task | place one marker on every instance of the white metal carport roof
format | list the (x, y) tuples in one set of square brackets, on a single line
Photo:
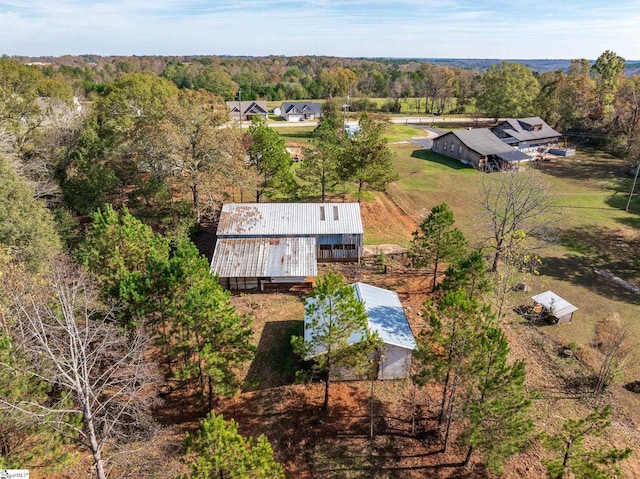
[(554, 304)]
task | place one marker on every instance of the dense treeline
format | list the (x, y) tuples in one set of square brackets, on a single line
[(582, 95)]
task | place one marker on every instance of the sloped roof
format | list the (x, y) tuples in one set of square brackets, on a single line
[(265, 257), (289, 219), (386, 317), (519, 129), (301, 107), (248, 107), (554, 304), (484, 142)]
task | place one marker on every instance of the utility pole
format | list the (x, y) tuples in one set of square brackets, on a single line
[(635, 179), (240, 107)]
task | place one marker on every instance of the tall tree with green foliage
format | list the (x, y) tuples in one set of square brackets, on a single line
[(217, 450), (366, 158), (496, 405), (446, 350), (207, 337), (319, 168), (267, 153), (508, 90), (118, 249), (576, 459), (607, 71), (333, 315), (468, 274), (26, 225), (437, 240)]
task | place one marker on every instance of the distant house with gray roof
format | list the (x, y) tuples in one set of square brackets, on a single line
[(526, 134), (299, 111), (245, 110), (479, 148)]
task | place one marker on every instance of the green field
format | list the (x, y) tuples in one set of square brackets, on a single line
[(594, 233)]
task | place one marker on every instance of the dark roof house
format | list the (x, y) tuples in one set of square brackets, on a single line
[(298, 110), (479, 148), (244, 110), (527, 134)]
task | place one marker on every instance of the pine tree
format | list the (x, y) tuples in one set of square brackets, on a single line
[(366, 158), (208, 337), (468, 274), (267, 153), (333, 316), (497, 403), (437, 240), (218, 451), (576, 460), (446, 349)]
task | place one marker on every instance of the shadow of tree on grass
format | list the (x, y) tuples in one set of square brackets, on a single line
[(598, 250), (273, 364), (439, 159)]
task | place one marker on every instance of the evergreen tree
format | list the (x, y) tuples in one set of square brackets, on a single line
[(118, 249), (437, 240), (333, 316), (578, 461), (216, 450), (26, 226), (366, 158), (497, 404), (321, 160), (446, 349), (270, 158), (468, 274), (208, 337)]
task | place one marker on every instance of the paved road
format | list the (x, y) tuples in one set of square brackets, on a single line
[(408, 120)]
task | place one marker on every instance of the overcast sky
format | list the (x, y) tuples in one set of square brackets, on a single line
[(512, 29)]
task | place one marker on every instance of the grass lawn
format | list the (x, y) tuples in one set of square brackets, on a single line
[(594, 232)]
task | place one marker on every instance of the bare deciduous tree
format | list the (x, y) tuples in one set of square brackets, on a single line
[(611, 339), (102, 384), (515, 202)]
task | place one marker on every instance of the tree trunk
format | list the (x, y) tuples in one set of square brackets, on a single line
[(325, 404), (496, 259), (435, 272), (93, 442), (468, 456)]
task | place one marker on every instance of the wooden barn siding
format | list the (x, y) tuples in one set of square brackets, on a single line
[(466, 156)]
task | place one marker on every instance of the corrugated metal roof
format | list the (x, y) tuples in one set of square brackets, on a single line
[(289, 219), (264, 257), (386, 315), (554, 304)]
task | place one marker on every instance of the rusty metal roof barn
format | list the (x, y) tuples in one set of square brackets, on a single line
[(289, 219), (265, 257)]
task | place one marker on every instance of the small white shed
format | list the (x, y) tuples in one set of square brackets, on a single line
[(559, 308), (387, 318)]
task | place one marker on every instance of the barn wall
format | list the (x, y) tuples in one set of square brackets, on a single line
[(451, 146)]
